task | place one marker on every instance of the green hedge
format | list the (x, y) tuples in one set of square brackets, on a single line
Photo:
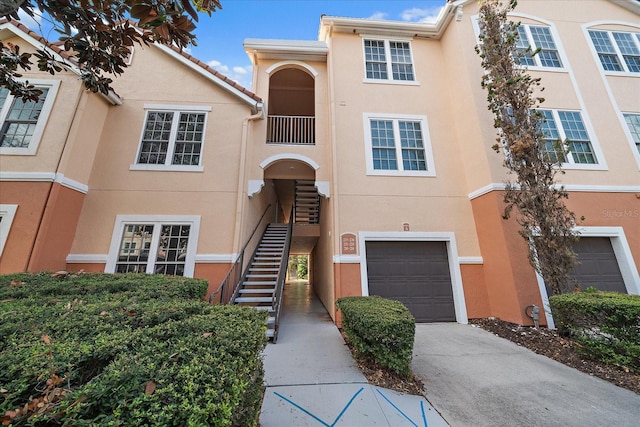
[(607, 324), (381, 329), (127, 350)]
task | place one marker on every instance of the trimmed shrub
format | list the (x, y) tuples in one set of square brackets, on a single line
[(126, 350), (381, 329), (607, 324)]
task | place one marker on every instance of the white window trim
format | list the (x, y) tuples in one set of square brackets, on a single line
[(411, 236), (121, 220), (8, 213), (595, 145), (428, 151), (387, 52), (591, 26), (623, 255), (135, 166), (47, 106)]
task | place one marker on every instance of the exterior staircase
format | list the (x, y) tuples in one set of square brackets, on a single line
[(262, 283), (307, 202)]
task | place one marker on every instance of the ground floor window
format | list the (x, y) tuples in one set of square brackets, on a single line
[(7, 213), (163, 246)]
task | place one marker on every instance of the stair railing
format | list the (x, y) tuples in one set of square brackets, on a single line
[(282, 274), (231, 283)]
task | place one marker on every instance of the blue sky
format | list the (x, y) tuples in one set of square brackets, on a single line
[(221, 35)]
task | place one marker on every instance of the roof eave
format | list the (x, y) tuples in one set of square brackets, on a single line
[(301, 50)]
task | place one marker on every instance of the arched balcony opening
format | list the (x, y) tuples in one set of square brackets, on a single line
[(291, 118)]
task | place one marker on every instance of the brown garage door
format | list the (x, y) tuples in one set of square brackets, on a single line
[(597, 266), (414, 273)]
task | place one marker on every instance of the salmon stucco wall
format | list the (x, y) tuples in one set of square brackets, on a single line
[(57, 229), (86, 267), (214, 273), (510, 280), (475, 291), (30, 198), (347, 283)]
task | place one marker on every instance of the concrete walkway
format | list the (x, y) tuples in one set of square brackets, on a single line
[(312, 379), (474, 378)]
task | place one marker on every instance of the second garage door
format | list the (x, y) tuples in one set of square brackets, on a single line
[(414, 273), (597, 265)]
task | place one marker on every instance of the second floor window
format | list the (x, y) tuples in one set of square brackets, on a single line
[(398, 146), (536, 37), (633, 123), (561, 125), (172, 138), (617, 51), (388, 60), (22, 123)]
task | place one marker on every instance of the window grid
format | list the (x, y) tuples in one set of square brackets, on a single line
[(170, 240), (383, 145), (573, 131), (172, 138), (21, 120), (412, 146), (633, 123), (393, 139), (375, 58), (388, 60), (617, 51), (401, 63), (535, 37)]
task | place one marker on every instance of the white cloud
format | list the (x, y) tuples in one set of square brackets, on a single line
[(421, 15), (239, 74), (378, 15)]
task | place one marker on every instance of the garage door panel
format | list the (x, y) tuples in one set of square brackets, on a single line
[(597, 265), (414, 273)]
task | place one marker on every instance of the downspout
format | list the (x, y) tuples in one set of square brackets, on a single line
[(259, 114), (47, 204)]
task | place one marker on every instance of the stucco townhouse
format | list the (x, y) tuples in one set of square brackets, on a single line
[(373, 143)]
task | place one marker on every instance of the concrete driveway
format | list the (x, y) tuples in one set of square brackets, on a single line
[(474, 378)]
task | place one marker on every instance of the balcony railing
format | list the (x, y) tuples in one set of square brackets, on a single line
[(291, 130)]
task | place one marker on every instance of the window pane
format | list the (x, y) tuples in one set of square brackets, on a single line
[(155, 138), (552, 149), (633, 122), (130, 258), (629, 50), (606, 52), (401, 64), (383, 145), (375, 58), (577, 137), (543, 40), (189, 139), (522, 47), (21, 121), (413, 157), (4, 93), (172, 250)]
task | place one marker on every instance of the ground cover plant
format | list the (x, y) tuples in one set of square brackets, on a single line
[(126, 350)]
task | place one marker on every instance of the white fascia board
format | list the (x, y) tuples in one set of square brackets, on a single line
[(632, 5), (256, 105), (302, 50)]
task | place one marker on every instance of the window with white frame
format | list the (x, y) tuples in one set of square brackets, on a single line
[(388, 60), (172, 138), (563, 125), (532, 38), (22, 122), (160, 246), (633, 123), (7, 213), (398, 145), (617, 51)]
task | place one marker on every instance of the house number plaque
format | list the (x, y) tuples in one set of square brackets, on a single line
[(349, 244)]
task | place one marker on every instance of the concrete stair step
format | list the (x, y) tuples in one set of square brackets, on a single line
[(240, 300)]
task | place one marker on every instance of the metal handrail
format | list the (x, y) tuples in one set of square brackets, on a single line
[(234, 274), (282, 274)]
